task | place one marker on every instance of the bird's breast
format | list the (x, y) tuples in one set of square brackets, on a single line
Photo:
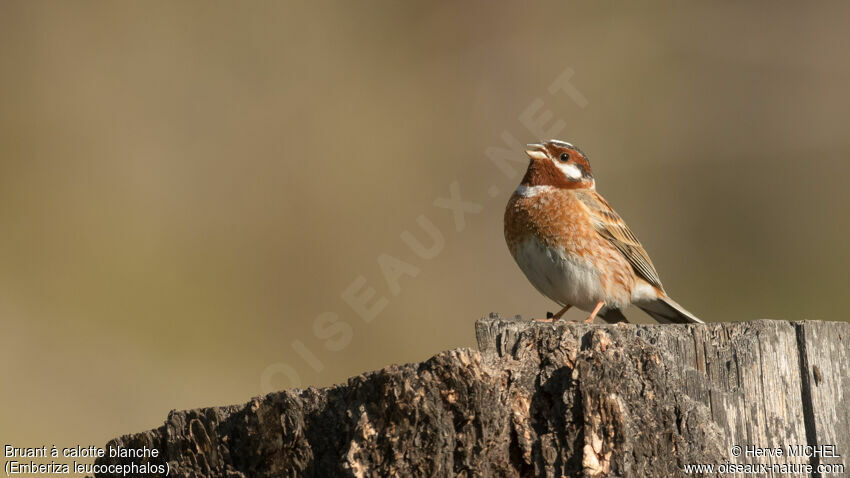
[(554, 217), (553, 240)]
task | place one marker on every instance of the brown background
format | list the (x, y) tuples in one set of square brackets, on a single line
[(186, 187)]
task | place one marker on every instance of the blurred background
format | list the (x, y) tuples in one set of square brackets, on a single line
[(187, 189)]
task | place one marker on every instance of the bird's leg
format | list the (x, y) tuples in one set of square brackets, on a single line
[(553, 318), (561, 312), (595, 311)]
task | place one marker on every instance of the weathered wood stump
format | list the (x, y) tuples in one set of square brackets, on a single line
[(539, 399)]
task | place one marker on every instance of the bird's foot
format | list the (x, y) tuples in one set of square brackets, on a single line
[(550, 317), (593, 314), (559, 314)]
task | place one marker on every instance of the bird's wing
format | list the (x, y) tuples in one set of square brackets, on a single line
[(611, 226)]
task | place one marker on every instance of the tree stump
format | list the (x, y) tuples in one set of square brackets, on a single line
[(543, 399)]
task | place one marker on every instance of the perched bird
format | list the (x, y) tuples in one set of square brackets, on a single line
[(574, 248)]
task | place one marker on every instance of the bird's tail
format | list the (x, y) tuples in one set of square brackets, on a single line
[(666, 311)]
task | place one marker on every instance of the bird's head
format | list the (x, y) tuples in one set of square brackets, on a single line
[(558, 164)]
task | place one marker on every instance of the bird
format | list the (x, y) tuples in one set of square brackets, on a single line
[(574, 248)]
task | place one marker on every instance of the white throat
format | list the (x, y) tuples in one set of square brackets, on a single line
[(531, 191)]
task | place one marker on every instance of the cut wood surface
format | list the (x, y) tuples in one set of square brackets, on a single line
[(542, 399)]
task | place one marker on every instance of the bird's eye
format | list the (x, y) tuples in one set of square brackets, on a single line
[(565, 157)]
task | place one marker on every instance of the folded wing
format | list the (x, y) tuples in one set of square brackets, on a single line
[(611, 226)]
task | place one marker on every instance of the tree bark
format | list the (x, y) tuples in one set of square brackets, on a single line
[(542, 399)]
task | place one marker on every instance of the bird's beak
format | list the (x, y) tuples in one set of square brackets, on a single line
[(535, 151)]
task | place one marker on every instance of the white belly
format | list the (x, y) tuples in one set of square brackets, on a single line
[(564, 278)]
